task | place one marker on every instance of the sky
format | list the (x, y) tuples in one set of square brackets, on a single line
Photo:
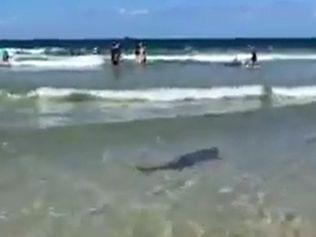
[(29, 19)]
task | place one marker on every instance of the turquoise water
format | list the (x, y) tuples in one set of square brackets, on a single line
[(73, 129)]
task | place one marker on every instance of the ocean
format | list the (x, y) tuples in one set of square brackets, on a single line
[(73, 129)]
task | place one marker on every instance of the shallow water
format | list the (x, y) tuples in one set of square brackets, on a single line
[(80, 180), (70, 141)]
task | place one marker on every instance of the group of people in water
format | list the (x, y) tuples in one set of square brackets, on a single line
[(141, 56), (140, 53)]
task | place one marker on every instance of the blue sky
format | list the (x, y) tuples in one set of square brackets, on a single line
[(157, 18)]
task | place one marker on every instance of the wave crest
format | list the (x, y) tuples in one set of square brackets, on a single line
[(38, 58), (153, 95), (78, 62), (169, 94)]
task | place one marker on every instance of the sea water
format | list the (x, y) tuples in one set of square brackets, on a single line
[(73, 128)]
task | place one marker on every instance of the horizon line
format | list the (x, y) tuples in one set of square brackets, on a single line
[(156, 38)]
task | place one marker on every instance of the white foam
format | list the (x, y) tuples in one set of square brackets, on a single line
[(295, 92), (94, 61), (191, 58), (225, 57), (173, 94), (238, 96), (78, 62), (158, 103), (160, 94), (33, 51)]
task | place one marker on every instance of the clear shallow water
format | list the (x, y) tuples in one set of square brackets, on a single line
[(70, 139), (80, 180)]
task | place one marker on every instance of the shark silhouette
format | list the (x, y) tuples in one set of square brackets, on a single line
[(185, 161)]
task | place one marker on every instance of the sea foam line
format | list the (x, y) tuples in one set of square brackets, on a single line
[(78, 62), (93, 61), (159, 94), (224, 58), (295, 92), (170, 94)]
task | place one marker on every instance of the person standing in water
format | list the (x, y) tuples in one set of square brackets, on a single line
[(254, 57), (137, 52), (5, 56), (115, 53), (140, 53), (143, 55)]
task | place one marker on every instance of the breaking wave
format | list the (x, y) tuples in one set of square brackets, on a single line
[(61, 58), (78, 62), (169, 94), (55, 105), (154, 95), (226, 57)]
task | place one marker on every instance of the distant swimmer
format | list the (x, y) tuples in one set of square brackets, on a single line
[(143, 55), (140, 53), (115, 53), (5, 59), (5, 56), (254, 57), (137, 52), (253, 61)]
